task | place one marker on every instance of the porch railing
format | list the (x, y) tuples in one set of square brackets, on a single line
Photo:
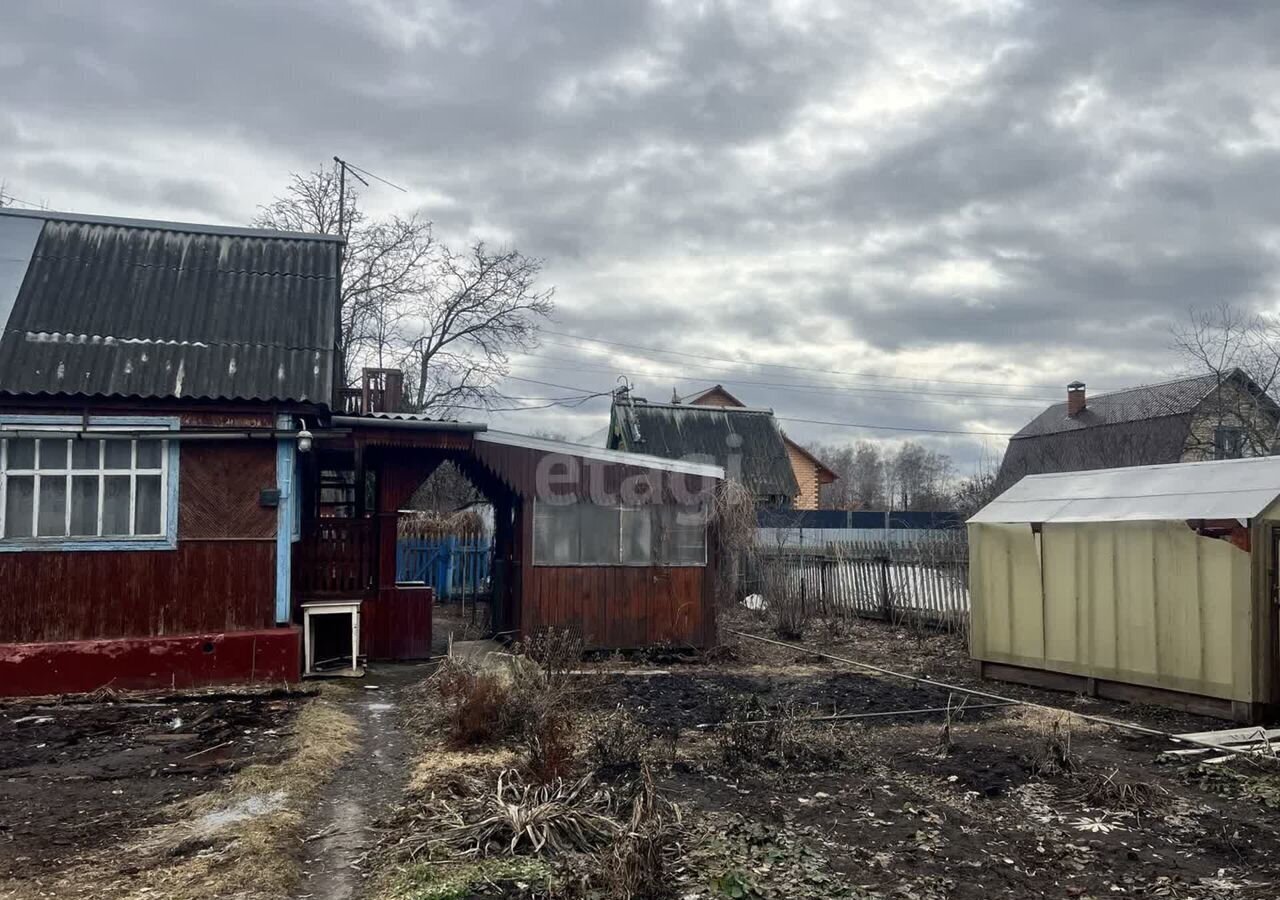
[(335, 558)]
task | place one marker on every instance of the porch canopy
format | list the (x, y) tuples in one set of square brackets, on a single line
[(651, 581), (1238, 489)]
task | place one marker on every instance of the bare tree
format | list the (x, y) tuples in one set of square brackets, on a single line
[(977, 489), (449, 319), (1242, 350), (480, 306), (920, 479), (861, 471)]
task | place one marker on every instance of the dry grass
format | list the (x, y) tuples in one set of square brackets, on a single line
[(639, 863), (1044, 720), (1115, 792), (516, 816), (240, 841), (445, 769)]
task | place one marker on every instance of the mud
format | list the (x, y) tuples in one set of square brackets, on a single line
[(76, 776)]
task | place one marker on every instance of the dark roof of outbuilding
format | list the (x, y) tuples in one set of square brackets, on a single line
[(135, 308), (747, 443)]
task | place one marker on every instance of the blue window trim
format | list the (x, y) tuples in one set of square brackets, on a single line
[(286, 470), (55, 545)]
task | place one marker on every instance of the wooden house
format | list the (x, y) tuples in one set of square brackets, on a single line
[(179, 471)]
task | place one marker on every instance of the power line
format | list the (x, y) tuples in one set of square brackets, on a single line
[(741, 362), (593, 394), (993, 400), (897, 427)]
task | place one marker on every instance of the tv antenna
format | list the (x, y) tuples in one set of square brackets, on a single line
[(356, 173)]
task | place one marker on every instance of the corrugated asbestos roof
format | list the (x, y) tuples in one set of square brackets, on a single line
[(1225, 489), (746, 443), (132, 308)]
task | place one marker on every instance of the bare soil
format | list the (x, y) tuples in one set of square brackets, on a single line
[(78, 776), (884, 808), (900, 816)]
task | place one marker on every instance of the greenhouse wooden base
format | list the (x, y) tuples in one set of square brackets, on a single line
[(1245, 713)]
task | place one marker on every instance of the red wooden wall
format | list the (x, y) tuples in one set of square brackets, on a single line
[(221, 577), (618, 606)]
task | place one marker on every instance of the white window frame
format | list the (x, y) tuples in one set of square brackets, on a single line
[(68, 427)]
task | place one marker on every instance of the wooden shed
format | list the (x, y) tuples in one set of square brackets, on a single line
[(618, 548), (1150, 584)]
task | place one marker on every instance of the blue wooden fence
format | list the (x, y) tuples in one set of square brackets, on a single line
[(455, 566)]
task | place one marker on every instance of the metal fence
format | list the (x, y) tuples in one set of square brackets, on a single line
[(926, 580), (457, 567)]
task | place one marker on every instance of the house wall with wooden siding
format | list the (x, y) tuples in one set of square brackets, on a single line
[(806, 471), (1235, 408), (616, 607), (220, 577)]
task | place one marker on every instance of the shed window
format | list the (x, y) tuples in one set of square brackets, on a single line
[(75, 488), (586, 534)]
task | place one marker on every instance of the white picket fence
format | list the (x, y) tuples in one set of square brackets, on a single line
[(925, 581)]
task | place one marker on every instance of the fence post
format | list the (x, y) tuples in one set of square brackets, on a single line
[(886, 601)]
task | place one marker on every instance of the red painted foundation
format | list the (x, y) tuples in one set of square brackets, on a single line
[(184, 661)]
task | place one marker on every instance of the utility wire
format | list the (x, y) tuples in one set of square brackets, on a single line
[(741, 362), (593, 394), (991, 400), (795, 381), (989, 695)]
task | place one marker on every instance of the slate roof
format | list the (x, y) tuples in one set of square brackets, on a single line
[(1142, 426), (101, 307), (1170, 398), (746, 442)]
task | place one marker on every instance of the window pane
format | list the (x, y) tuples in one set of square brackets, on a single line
[(22, 454), (147, 506), (119, 454), (148, 454), (19, 502), (683, 536), (637, 535), (86, 454), (599, 534), (84, 504), (115, 504), (53, 504), (53, 454), (690, 537), (555, 533)]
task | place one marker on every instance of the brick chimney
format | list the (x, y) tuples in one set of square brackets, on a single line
[(1075, 398)]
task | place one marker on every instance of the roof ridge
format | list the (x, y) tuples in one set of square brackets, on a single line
[(759, 410), (166, 225), (1155, 384)]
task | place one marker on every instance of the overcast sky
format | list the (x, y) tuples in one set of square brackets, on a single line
[(925, 215)]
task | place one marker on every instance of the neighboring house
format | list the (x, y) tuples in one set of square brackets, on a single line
[(152, 379), (1185, 420), (746, 442), (809, 471), (178, 472)]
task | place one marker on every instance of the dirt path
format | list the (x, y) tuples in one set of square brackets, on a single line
[(365, 789)]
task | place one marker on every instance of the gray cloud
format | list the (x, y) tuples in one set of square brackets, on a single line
[(1024, 193)]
